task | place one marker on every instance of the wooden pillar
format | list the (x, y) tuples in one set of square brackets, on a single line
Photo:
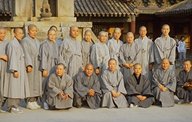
[(133, 24), (190, 33)]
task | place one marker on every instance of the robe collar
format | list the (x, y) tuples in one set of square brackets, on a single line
[(137, 78)]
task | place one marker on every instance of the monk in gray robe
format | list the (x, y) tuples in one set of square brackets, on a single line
[(60, 89), (114, 44), (164, 47), (185, 95), (129, 55), (147, 57), (70, 53), (87, 89), (17, 87), (48, 56), (164, 84), (113, 87), (100, 53), (139, 89), (86, 45), (31, 46), (3, 64)]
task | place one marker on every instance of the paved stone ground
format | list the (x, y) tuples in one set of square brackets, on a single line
[(178, 113)]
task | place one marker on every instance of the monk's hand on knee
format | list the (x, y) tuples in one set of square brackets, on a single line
[(65, 96), (16, 74), (4, 58)]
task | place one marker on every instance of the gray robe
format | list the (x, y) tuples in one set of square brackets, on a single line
[(166, 78), (86, 52), (16, 87), (82, 85), (70, 55), (147, 56), (141, 86), (3, 69), (164, 48), (48, 56), (57, 84), (181, 93), (113, 81), (129, 53), (100, 56), (114, 48), (31, 51)]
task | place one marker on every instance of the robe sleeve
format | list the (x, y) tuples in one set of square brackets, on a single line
[(121, 86), (105, 85), (95, 59), (64, 54), (12, 56), (171, 85), (78, 86), (151, 53), (96, 85), (173, 52), (69, 87), (28, 61), (130, 87), (180, 80), (155, 82), (43, 58), (121, 56), (137, 56), (52, 89), (147, 87)]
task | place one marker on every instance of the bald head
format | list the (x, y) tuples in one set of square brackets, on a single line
[(2, 33), (89, 69), (142, 31), (74, 31), (165, 30), (18, 33), (165, 64), (130, 37)]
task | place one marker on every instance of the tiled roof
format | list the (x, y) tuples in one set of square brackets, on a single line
[(184, 7), (104, 8), (5, 9)]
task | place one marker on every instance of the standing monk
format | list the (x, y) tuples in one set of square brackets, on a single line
[(112, 86), (48, 59), (87, 88), (100, 53), (17, 87), (164, 84), (70, 53), (86, 45), (145, 45), (3, 64), (129, 55), (114, 44), (31, 46), (164, 47)]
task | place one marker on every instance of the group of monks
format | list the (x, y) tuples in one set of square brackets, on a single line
[(59, 74)]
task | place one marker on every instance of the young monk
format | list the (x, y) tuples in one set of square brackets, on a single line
[(17, 87), (3, 65), (86, 45), (48, 60), (60, 89), (100, 53), (185, 95), (31, 46), (87, 88), (113, 87), (164, 84), (70, 53), (164, 47), (139, 89), (129, 55)]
